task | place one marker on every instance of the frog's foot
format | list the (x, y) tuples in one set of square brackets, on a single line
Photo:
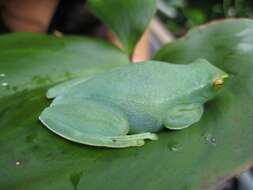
[(183, 116), (92, 123), (133, 140)]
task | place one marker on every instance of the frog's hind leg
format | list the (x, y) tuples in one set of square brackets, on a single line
[(92, 123)]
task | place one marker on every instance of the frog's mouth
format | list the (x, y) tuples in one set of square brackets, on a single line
[(219, 82)]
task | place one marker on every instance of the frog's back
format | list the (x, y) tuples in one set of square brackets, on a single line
[(150, 81), (138, 88)]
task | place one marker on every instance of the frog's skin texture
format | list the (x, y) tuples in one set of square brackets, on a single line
[(122, 107)]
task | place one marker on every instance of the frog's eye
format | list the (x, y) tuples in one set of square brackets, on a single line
[(219, 82)]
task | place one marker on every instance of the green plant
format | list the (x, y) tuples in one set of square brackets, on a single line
[(239, 8), (201, 157)]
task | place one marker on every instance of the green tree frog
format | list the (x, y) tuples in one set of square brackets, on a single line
[(125, 106)]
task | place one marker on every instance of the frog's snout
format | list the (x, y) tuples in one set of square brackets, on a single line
[(219, 82)]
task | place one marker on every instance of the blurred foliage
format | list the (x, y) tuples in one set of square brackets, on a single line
[(190, 13), (238, 8)]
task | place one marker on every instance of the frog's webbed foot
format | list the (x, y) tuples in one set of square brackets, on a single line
[(182, 116), (91, 123), (134, 140)]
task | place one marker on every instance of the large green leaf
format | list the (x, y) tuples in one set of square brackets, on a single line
[(127, 18), (199, 157), (30, 60)]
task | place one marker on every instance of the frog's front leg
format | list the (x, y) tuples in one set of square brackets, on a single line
[(183, 115), (92, 123)]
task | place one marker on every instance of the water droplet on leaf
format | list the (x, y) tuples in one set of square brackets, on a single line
[(175, 148), (5, 84), (2, 75), (210, 139), (18, 163)]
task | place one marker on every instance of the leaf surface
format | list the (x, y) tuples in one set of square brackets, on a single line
[(30, 61), (199, 157)]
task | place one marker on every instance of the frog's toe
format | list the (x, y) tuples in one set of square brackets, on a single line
[(135, 139)]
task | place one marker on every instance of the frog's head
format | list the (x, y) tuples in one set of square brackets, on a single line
[(212, 78)]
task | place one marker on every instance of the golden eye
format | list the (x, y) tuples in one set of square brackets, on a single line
[(218, 83)]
